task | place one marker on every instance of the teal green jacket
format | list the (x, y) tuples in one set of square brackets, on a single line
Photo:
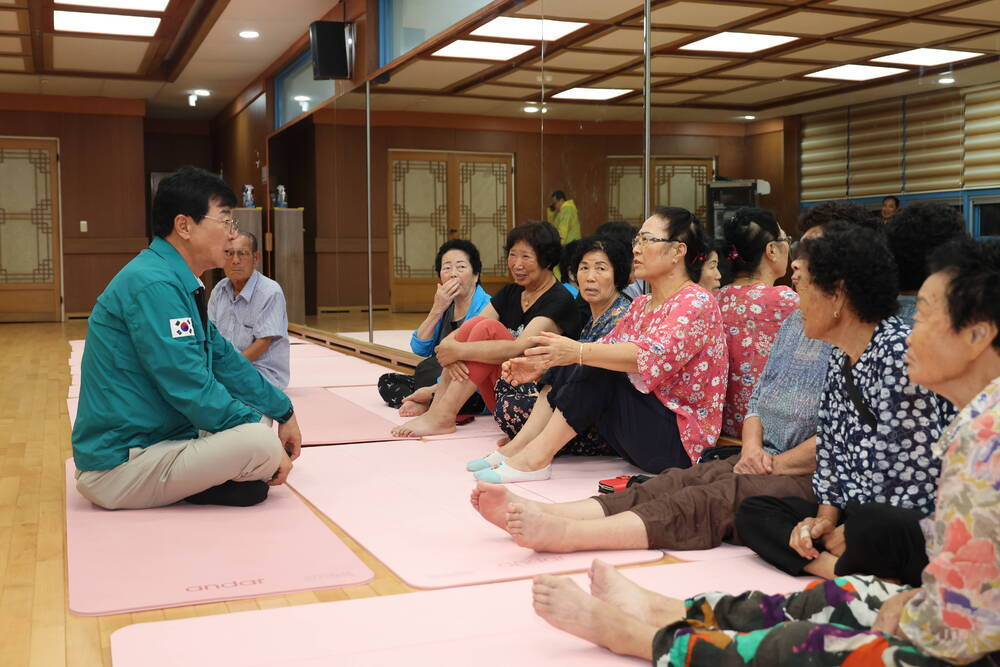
[(152, 372)]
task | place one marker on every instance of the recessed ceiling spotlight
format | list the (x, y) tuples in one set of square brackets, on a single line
[(946, 79), (856, 72), (748, 116), (927, 57), (192, 100), (301, 98), (249, 34), (738, 42), (530, 108), (467, 48), (105, 24), (529, 29), (141, 5), (201, 92), (592, 93)]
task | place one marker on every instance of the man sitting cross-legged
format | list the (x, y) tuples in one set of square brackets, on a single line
[(169, 410), (694, 508)]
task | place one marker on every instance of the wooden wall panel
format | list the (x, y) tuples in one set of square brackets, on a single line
[(101, 178), (239, 148), (575, 163)]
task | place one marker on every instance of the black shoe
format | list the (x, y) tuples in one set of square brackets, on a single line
[(235, 494)]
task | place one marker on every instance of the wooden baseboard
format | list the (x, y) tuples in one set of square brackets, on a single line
[(78, 316), (351, 309)]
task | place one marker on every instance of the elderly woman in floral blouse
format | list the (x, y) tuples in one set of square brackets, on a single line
[(950, 619), (654, 386)]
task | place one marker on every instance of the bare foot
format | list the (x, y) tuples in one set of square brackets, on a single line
[(493, 502), (412, 409), (501, 441), (566, 606), (426, 424), (608, 584), (531, 527)]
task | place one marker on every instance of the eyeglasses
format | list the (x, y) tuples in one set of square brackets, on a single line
[(242, 254), (784, 239), (230, 222), (642, 240)]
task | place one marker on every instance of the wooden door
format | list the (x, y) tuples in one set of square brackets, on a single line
[(30, 255), (677, 181), (436, 196)]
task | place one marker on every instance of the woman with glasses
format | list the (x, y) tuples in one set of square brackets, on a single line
[(753, 308), (654, 386)]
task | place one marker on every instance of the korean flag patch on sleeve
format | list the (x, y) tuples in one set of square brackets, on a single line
[(181, 327)]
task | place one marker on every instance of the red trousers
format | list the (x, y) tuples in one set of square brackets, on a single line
[(484, 375)]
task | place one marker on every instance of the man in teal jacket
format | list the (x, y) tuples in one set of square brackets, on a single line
[(169, 410)]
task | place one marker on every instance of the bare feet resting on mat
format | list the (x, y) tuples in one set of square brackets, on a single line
[(428, 423), (417, 403), (568, 607), (493, 502)]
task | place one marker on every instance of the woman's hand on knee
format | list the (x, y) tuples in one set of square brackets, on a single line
[(805, 533), (447, 352), (457, 372)]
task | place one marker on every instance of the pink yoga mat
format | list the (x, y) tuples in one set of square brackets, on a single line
[(327, 419), (369, 399), (333, 370), (311, 350), (486, 626), (128, 560), (408, 504)]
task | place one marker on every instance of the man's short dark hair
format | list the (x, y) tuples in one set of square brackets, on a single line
[(619, 254), (917, 230), (468, 247), (857, 260), (894, 198), (974, 288), (559, 194), (188, 191), (828, 211), (252, 237), (543, 239)]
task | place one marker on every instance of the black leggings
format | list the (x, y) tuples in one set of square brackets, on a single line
[(640, 428), (881, 540)]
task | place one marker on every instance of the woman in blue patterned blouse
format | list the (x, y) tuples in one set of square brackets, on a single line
[(601, 266), (875, 426)]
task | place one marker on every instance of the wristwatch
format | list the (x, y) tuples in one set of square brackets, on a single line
[(285, 417)]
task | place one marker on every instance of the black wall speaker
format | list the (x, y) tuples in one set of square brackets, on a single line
[(332, 44)]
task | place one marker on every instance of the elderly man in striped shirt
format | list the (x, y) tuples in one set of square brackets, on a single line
[(249, 310)]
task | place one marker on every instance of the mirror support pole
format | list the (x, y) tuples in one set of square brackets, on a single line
[(368, 164), (647, 125)]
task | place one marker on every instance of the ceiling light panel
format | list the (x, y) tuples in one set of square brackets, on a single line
[(105, 24), (466, 48), (927, 57), (856, 72), (591, 93), (538, 30), (738, 42), (141, 5)]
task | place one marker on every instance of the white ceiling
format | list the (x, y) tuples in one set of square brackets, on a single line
[(224, 63)]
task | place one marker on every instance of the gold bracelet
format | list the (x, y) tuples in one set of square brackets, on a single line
[(580, 362)]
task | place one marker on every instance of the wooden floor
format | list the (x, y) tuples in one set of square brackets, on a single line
[(36, 627)]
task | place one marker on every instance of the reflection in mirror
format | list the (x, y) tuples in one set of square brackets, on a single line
[(465, 147)]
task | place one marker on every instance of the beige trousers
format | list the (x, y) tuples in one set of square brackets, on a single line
[(172, 470)]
